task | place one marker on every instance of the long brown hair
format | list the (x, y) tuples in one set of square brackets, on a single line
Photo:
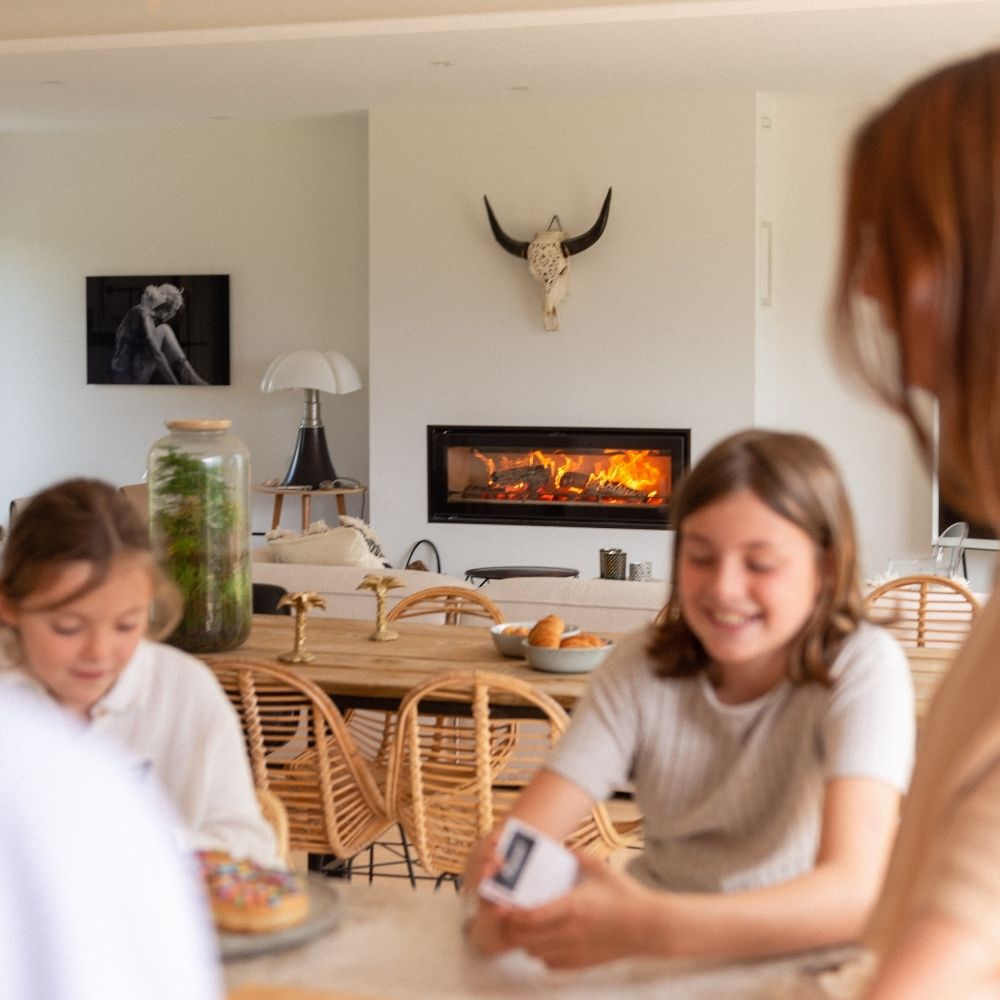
[(923, 211), (795, 476), (81, 520)]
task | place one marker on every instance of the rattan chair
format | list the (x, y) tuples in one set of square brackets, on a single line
[(927, 614), (276, 814), (455, 604), (302, 752), (372, 728), (467, 742), (924, 610)]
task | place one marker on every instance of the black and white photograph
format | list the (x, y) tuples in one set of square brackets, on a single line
[(158, 330)]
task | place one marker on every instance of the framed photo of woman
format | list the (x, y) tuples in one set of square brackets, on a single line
[(158, 329)]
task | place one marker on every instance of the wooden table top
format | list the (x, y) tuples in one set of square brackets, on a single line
[(350, 666)]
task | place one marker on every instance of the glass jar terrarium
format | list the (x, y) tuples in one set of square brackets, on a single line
[(199, 485)]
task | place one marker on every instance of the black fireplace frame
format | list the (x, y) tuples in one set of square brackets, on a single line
[(442, 510)]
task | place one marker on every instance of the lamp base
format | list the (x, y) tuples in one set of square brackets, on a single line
[(311, 463)]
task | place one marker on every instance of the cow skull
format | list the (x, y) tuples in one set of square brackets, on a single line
[(548, 256)]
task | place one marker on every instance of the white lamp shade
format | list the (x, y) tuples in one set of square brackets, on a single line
[(327, 371)]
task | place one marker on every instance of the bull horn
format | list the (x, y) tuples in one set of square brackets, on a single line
[(580, 243), (515, 247)]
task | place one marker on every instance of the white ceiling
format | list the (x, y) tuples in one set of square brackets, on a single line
[(138, 63)]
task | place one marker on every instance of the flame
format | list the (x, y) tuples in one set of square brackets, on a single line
[(630, 468), (635, 469)]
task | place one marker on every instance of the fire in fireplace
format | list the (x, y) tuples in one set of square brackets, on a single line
[(569, 476)]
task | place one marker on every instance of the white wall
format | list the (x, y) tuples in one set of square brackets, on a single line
[(662, 326), (657, 330), (802, 144), (281, 208), (801, 148)]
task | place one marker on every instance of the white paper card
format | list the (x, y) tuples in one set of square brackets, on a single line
[(536, 868)]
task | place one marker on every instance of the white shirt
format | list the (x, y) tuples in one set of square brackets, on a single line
[(95, 902), (169, 712)]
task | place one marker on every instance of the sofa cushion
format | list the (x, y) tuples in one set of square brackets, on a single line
[(320, 545)]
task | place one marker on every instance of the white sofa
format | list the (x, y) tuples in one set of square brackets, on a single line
[(594, 605)]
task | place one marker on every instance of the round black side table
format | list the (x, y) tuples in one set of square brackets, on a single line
[(485, 573)]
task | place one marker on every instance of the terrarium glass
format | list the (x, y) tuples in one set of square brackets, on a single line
[(199, 487)]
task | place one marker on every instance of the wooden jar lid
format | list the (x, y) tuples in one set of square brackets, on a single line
[(199, 425)]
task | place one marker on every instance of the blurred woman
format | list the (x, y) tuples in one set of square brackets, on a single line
[(918, 312)]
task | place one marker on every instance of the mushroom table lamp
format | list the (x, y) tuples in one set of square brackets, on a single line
[(315, 372)]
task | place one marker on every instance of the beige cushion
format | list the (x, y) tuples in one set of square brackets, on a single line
[(322, 546)]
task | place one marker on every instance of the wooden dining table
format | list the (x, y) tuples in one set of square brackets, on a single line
[(359, 672)]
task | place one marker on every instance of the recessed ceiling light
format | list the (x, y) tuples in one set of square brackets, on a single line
[(54, 83), (441, 62), (520, 87)]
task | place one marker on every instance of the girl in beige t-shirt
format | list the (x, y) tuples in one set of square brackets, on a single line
[(770, 808)]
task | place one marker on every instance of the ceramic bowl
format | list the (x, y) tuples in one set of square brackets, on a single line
[(509, 643), (565, 661)]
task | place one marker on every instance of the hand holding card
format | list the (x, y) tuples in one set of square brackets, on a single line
[(536, 869)]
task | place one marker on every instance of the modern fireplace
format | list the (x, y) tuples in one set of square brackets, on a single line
[(601, 477)]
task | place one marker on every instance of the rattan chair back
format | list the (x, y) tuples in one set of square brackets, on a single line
[(301, 751), (924, 610), (373, 728), (277, 816), (467, 743), (455, 604)]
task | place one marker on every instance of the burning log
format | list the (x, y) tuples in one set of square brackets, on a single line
[(533, 476), (574, 481), (613, 491)]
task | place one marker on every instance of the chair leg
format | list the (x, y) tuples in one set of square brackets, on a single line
[(331, 866), (456, 881), (335, 867)]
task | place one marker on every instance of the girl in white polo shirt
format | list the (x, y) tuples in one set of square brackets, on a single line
[(78, 588), (767, 729)]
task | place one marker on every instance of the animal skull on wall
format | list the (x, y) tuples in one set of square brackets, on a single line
[(548, 255)]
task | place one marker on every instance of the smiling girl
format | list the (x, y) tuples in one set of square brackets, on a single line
[(767, 728), (78, 591)]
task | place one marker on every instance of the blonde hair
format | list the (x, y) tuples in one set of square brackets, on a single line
[(796, 477), (923, 214), (82, 520)]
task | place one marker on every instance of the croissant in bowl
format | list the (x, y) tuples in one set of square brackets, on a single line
[(548, 632), (585, 640)]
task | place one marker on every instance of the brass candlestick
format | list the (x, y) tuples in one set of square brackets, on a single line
[(381, 585), (300, 603)]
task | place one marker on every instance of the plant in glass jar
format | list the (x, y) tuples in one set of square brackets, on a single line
[(199, 533)]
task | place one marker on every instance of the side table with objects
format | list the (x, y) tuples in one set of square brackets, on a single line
[(305, 494)]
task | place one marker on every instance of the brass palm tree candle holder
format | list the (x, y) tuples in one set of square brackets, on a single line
[(380, 586), (300, 603)]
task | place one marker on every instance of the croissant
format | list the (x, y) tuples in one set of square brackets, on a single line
[(516, 630), (585, 640), (547, 631)]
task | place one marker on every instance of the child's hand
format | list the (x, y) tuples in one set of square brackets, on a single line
[(599, 920), (482, 923), (482, 862)]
